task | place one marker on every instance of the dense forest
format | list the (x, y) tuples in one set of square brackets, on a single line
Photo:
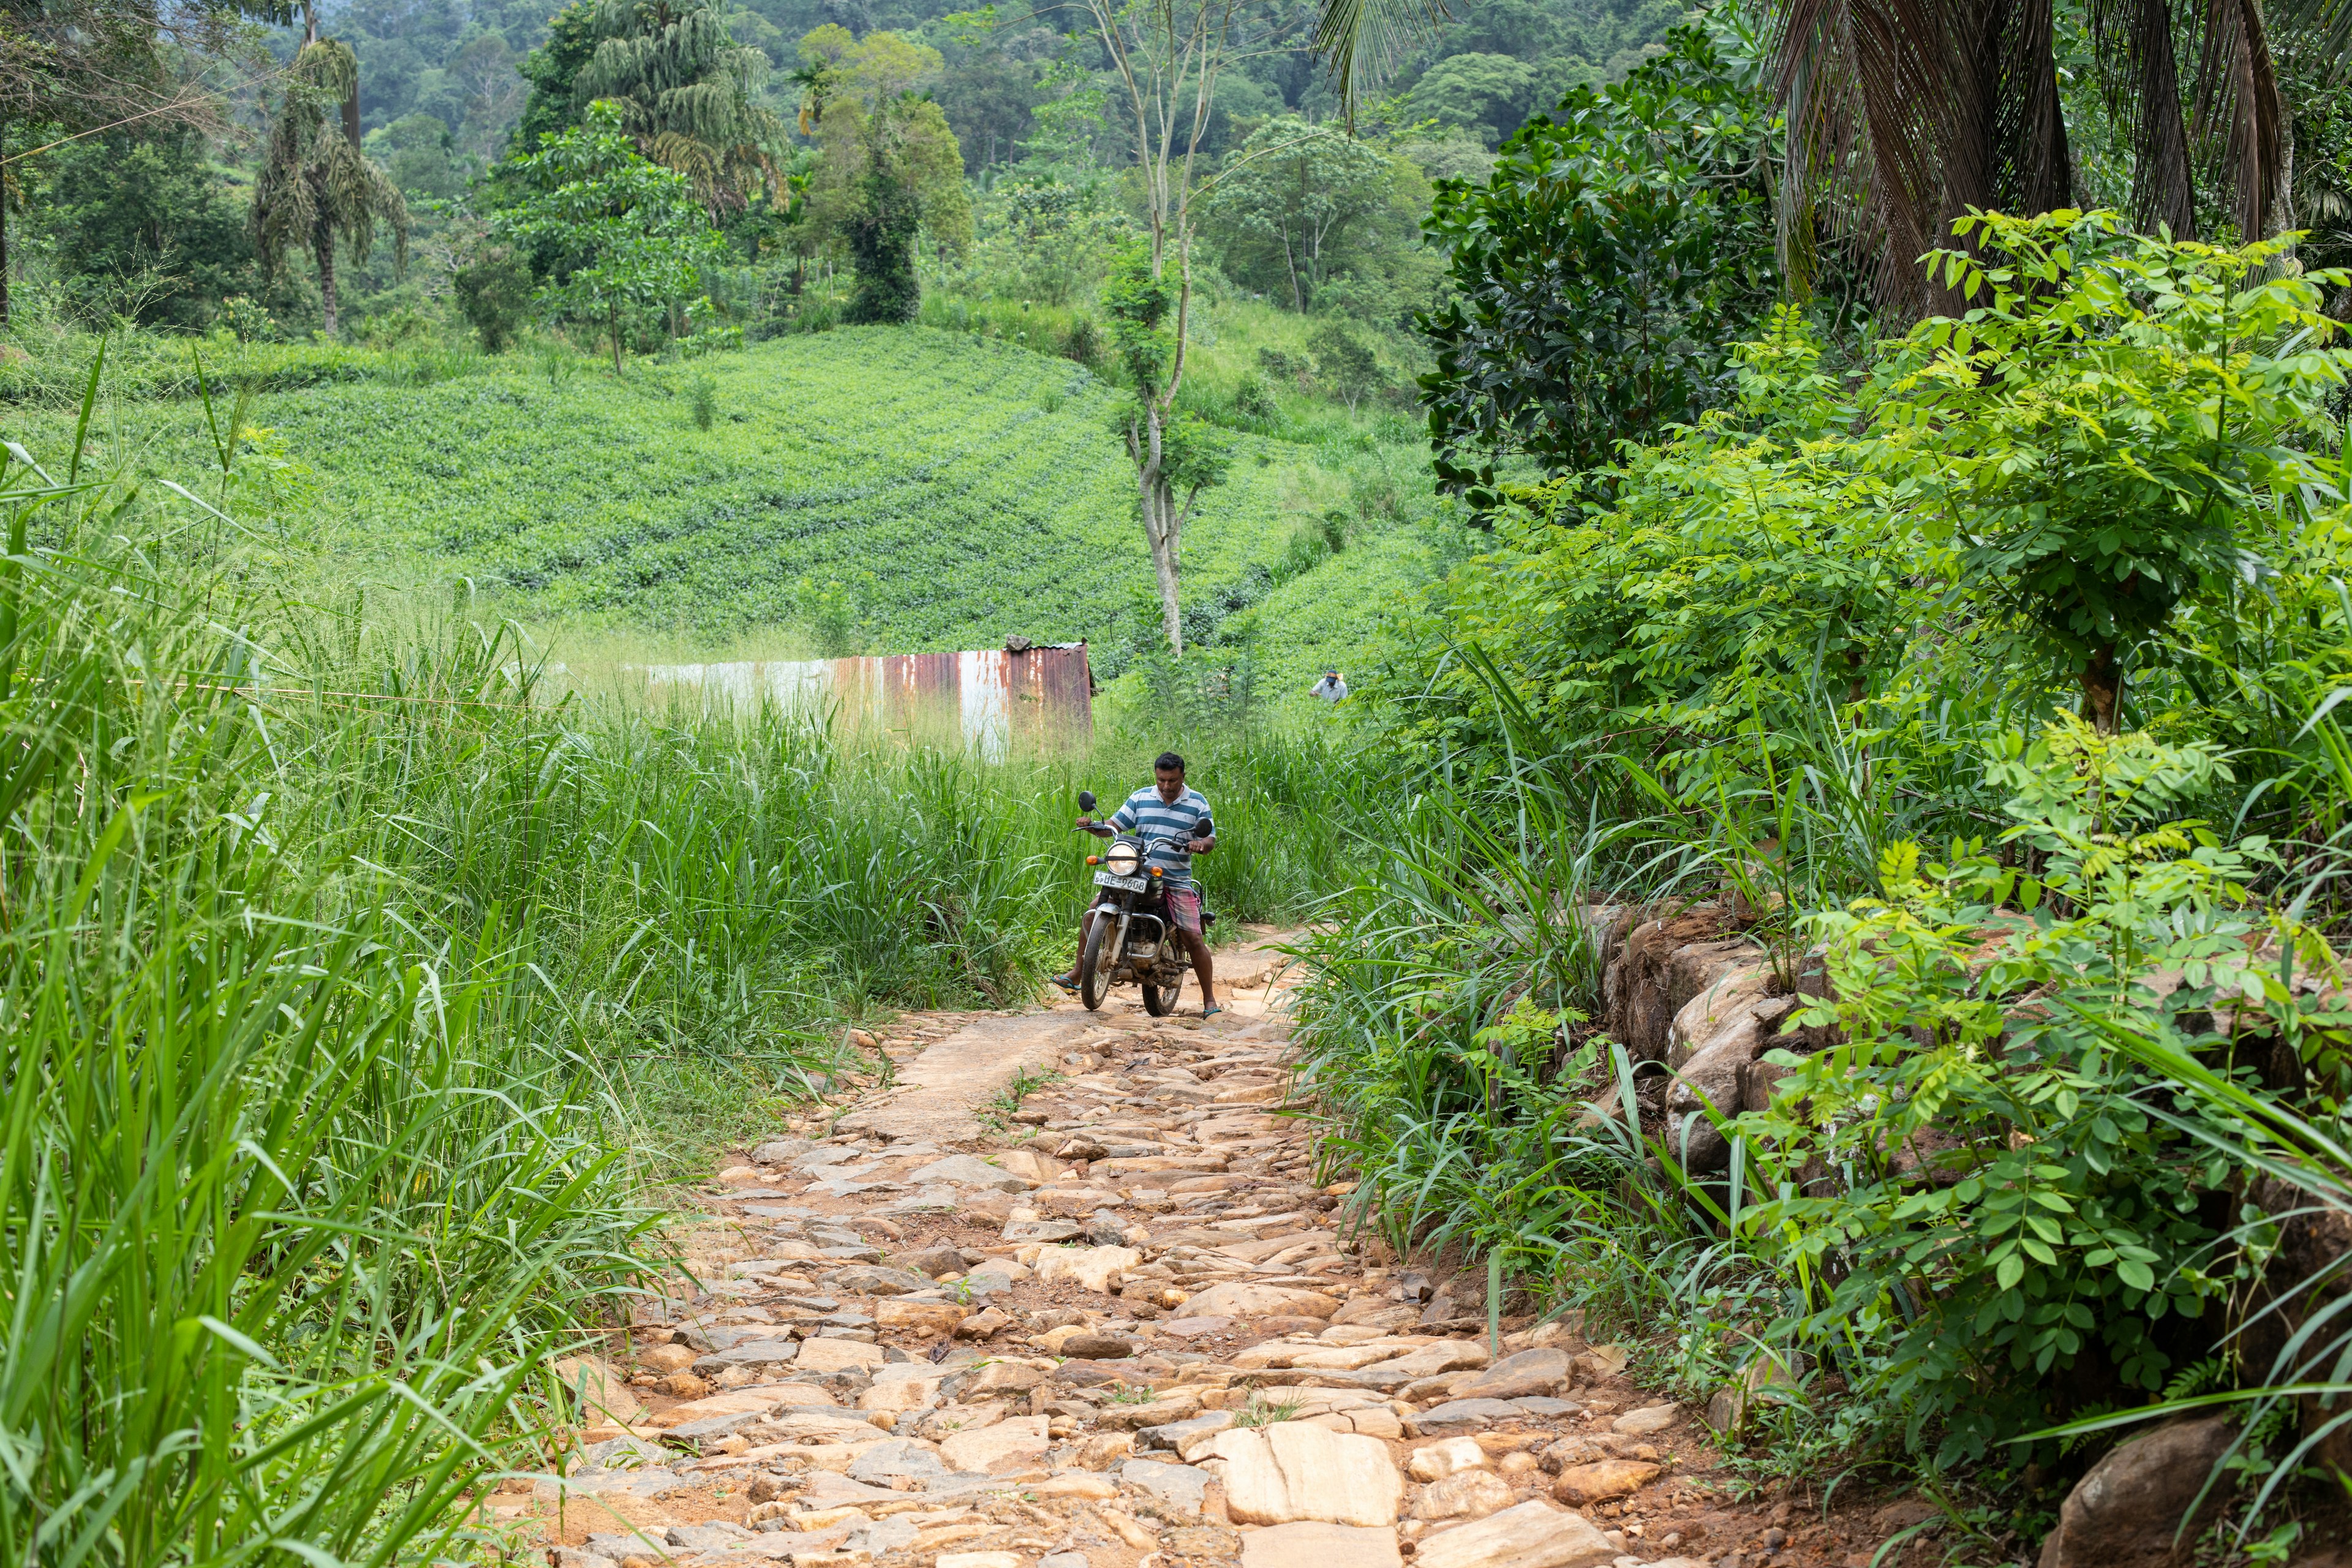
[(146, 221)]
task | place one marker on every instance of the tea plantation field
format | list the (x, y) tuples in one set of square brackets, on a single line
[(960, 489)]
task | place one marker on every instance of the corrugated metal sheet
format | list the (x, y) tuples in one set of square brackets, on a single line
[(1040, 697)]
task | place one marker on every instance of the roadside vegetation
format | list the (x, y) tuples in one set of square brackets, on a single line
[(1991, 691), (1970, 634)]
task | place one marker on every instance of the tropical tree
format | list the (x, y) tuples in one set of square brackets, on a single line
[(1603, 273), (1492, 93), (2112, 426), (1166, 57), (687, 94), (1906, 115), (1176, 457), (892, 170), (1298, 204), (315, 187), (1053, 219), (68, 67), (621, 233)]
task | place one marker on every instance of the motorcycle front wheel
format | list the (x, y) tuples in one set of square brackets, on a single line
[(1160, 1000), (1095, 965)]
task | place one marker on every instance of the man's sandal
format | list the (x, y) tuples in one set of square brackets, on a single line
[(1210, 1012), (1069, 982)]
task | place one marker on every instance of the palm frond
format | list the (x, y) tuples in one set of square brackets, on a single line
[(314, 186), (1903, 115), (1357, 41), (2222, 131)]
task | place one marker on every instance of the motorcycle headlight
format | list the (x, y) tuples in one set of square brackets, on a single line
[(1122, 859)]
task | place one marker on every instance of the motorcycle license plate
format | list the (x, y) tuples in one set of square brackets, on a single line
[(1113, 880)]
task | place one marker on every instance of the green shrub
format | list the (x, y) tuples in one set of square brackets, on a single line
[(1254, 398), (2007, 1210), (2111, 427), (493, 293), (821, 314), (248, 321), (702, 397), (1345, 362)]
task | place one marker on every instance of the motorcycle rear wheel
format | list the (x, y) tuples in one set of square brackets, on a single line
[(1095, 965)]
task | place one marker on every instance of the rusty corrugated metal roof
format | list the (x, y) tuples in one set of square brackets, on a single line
[(1038, 696)]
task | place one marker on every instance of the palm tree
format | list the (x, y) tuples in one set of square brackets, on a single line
[(315, 186), (1903, 114), (685, 92)]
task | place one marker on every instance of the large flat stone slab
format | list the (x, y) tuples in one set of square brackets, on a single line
[(937, 1093), (1532, 1535), (1320, 1546)]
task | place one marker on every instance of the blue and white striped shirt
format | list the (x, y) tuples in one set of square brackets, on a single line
[(1158, 820)]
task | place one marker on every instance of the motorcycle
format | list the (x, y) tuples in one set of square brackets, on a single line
[(1129, 939)]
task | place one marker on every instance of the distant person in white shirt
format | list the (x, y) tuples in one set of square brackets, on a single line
[(1332, 688)]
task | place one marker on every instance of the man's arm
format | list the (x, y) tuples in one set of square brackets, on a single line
[(1120, 821), (1204, 837)]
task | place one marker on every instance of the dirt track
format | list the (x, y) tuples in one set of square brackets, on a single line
[(1117, 1325)]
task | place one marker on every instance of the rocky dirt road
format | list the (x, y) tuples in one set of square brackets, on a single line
[(1114, 1323)]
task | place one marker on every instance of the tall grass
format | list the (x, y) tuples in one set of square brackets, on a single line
[(351, 980), (300, 1186)]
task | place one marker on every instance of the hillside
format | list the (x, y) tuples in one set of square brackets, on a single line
[(923, 490)]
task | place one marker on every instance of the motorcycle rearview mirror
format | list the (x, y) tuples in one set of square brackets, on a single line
[(1085, 800)]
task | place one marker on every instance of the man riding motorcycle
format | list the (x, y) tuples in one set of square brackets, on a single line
[(1175, 821)]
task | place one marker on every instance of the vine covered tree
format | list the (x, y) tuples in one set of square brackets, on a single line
[(316, 188), (892, 170)]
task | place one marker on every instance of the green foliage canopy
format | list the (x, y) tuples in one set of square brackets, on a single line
[(624, 232), (687, 92), (1602, 271), (1297, 204), (2096, 432), (1740, 565)]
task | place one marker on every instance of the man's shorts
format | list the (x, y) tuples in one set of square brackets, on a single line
[(1185, 908)]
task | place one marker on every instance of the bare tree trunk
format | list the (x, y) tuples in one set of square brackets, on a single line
[(324, 247), (4, 230), (1161, 523), (2103, 690)]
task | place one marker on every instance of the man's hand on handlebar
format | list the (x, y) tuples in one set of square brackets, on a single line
[(1199, 846)]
